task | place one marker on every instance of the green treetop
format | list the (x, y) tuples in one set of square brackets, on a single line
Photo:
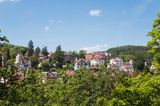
[(4, 38), (30, 48), (154, 43)]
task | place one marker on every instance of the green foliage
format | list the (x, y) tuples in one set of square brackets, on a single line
[(82, 53), (154, 43), (7, 55), (7, 73), (3, 39), (128, 50), (58, 57), (45, 66), (102, 67), (37, 51), (141, 90), (127, 57), (139, 61), (10, 62), (45, 51), (14, 50), (85, 88), (30, 92), (34, 61), (30, 48), (58, 48), (68, 66)]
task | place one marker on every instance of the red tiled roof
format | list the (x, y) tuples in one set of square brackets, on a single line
[(89, 56), (99, 57), (95, 56)]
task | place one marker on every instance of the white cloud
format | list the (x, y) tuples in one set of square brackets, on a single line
[(46, 28), (1, 1), (97, 47), (142, 7), (95, 13)]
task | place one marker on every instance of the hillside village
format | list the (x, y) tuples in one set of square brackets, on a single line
[(127, 58), (91, 61), (94, 60)]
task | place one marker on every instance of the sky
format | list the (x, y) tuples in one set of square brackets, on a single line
[(92, 25)]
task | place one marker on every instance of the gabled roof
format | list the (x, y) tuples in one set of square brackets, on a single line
[(99, 57), (95, 56), (89, 56), (115, 59)]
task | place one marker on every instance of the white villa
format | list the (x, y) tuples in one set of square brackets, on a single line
[(97, 60), (117, 62)]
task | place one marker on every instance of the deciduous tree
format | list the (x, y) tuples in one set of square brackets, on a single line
[(58, 57), (154, 43), (30, 48)]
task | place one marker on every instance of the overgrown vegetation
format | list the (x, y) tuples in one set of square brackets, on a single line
[(86, 88)]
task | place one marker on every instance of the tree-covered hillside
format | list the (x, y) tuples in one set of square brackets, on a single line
[(128, 50), (13, 49)]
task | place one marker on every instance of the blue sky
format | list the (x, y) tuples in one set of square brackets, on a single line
[(78, 24)]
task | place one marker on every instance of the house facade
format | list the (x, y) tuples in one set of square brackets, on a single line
[(79, 63), (117, 62), (43, 58), (20, 61), (127, 66), (97, 60), (69, 57)]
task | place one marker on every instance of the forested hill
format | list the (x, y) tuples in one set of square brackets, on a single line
[(128, 50), (12, 49)]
